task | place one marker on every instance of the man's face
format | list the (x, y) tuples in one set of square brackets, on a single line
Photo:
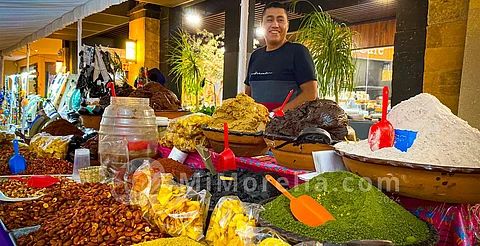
[(275, 25)]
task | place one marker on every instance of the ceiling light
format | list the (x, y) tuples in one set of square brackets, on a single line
[(259, 32), (193, 19)]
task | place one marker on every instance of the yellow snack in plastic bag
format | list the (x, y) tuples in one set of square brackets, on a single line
[(46, 145), (186, 132), (229, 217), (273, 242)]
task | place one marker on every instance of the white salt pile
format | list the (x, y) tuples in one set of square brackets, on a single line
[(443, 139)]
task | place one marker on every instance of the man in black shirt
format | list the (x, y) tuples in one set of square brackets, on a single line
[(281, 66)]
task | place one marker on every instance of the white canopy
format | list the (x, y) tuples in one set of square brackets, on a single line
[(24, 21)]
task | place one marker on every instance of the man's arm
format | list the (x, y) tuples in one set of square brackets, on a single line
[(309, 93), (248, 90)]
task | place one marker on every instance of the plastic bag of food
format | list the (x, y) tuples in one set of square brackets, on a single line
[(46, 145), (261, 236), (176, 209), (475, 210), (228, 218), (186, 132)]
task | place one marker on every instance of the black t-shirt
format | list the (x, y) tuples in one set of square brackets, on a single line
[(272, 74)]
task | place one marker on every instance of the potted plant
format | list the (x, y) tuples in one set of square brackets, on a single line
[(331, 45), (197, 61)]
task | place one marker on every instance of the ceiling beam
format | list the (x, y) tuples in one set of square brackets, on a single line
[(305, 8)]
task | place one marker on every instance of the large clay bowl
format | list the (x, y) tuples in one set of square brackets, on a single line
[(242, 144), (422, 181), (292, 156)]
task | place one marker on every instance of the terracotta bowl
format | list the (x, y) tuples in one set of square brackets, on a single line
[(422, 181), (297, 157), (242, 144)]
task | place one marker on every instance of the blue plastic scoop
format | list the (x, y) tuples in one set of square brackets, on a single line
[(17, 163)]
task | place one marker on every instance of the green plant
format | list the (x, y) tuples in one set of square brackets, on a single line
[(196, 60), (331, 45)]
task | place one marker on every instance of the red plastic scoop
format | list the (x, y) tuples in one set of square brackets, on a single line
[(38, 181), (382, 134), (111, 86), (226, 159), (280, 112)]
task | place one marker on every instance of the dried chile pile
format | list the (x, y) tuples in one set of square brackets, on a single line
[(251, 187), (320, 113), (161, 98), (62, 127), (85, 214)]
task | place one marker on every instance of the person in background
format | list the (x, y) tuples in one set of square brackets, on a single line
[(155, 75), (280, 66)]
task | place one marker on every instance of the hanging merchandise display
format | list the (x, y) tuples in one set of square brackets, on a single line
[(95, 71)]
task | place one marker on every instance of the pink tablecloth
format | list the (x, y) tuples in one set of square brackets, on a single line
[(257, 164), (455, 222)]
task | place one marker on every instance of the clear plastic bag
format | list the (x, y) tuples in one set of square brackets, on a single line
[(48, 146), (176, 209), (261, 236), (186, 132), (475, 210), (230, 217)]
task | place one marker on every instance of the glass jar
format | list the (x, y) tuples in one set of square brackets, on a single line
[(133, 120)]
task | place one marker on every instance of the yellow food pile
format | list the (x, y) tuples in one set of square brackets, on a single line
[(186, 133), (173, 241), (230, 215), (242, 114), (273, 242)]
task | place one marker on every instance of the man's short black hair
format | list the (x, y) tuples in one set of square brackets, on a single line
[(274, 4)]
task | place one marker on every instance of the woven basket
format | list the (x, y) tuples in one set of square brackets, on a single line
[(292, 238)]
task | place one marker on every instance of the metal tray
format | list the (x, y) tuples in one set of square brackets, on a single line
[(16, 234), (5, 198)]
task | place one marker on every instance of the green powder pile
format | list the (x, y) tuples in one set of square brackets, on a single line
[(362, 212)]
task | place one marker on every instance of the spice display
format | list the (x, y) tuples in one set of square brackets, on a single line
[(173, 241), (229, 216), (362, 212), (62, 127), (450, 141), (179, 211), (242, 114), (320, 113), (161, 98), (46, 145), (95, 218), (19, 189), (250, 187), (186, 132)]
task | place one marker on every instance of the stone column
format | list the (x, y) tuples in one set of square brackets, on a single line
[(446, 31), (170, 23), (469, 100), (144, 28), (408, 59), (232, 35)]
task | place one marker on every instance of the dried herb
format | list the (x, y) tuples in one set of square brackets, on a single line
[(362, 212)]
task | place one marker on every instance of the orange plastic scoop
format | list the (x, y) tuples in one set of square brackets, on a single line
[(304, 208), (226, 159), (280, 112)]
